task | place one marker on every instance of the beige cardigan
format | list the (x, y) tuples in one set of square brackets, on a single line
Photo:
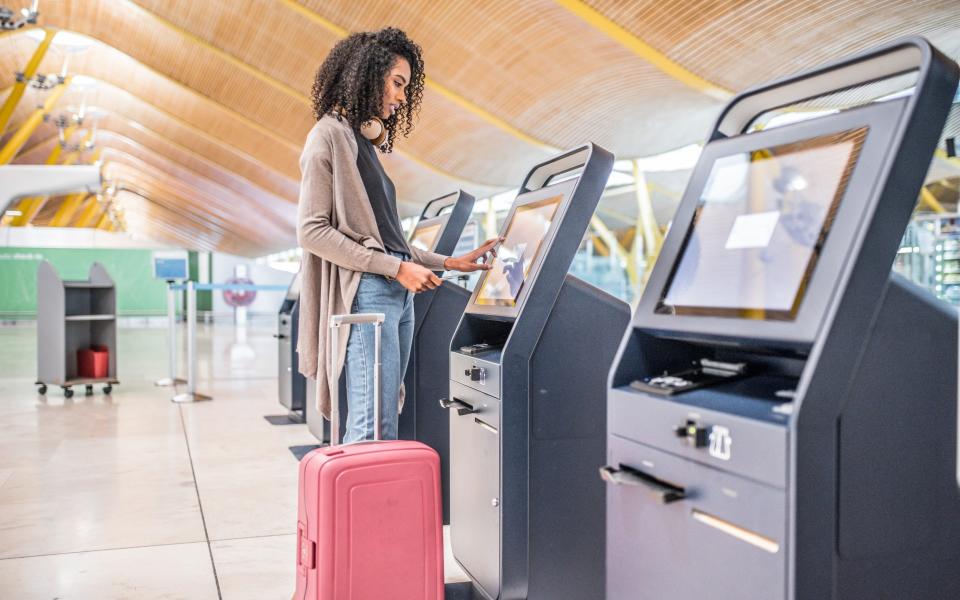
[(338, 232)]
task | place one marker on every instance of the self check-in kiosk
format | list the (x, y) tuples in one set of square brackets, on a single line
[(437, 312), (782, 418), (292, 384), (528, 368)]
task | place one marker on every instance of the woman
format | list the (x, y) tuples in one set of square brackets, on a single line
[(356, 259)]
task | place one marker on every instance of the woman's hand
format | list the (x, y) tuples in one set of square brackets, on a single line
[(468, 262), (416, 278)]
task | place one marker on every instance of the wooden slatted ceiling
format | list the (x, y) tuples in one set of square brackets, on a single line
[(738, 43), (246, 175), (229, 79), (135, 90), (196, 192), (541, 67), (162, 45), (183, 105), (268, 207)]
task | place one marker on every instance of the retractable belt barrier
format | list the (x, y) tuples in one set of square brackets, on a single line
[(192, 288)]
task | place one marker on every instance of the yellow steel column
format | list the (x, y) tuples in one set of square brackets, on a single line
[(104, 221), (927, 198), (89, 212), (17, 140), (611, 241), (68, 208), (652, 238), (29, 207), (10, 104), (490, 220)]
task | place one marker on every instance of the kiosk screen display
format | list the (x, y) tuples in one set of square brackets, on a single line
[(501, 285), (758, 230), (425, 237)]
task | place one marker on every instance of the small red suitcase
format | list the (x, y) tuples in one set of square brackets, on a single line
[(369, 518)]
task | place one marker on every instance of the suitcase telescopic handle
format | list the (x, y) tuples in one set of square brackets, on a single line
[(336, 321)]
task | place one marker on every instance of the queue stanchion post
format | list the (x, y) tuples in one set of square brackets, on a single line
[(171, 379), (191, 394)]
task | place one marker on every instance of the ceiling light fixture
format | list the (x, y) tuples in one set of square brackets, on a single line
[(28, 16)]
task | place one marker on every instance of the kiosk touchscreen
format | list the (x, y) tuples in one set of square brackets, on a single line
[(759, 227), (528, 367), (782, 418), (425, 236), (524, 237), (291, 383)]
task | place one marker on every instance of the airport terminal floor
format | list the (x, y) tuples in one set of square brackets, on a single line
[(133, 496), (458, 300)]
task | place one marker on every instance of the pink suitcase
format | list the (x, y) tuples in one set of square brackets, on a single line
[(369, 519)]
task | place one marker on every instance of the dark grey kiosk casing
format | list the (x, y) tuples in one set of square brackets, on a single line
[(829, 469), (451, 224), (527, 415), (438, 312), (291, 383)]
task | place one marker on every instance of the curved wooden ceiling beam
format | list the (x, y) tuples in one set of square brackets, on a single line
[(200, 197), (149, 141), (120, 71), (199, 229), (430, 83), (158, 221), (241, 212), (410, 182), (185, 137), (290, 111), (614, 31), (211, 180)]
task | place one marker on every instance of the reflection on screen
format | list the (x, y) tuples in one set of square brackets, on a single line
[(757, 233), (423, 238), (502, 283)]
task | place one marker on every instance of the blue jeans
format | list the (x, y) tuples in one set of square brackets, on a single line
[(377, 294)]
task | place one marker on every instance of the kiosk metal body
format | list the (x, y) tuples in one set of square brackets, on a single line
[(797, 446), (292, 384), (528, 368), (437, 312)]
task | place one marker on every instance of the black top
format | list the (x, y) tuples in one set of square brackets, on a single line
[(382, 194)]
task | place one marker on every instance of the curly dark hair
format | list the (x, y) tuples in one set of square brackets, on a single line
[(351, 79)]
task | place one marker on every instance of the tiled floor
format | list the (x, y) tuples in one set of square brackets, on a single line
[(131, 496)]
